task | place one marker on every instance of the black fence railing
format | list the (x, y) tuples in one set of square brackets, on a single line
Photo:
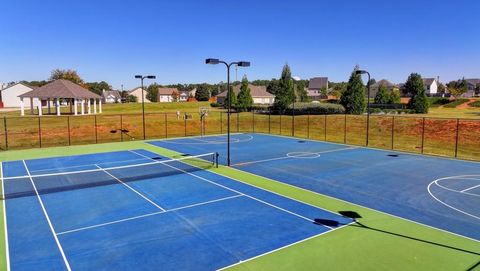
[(435, 136)]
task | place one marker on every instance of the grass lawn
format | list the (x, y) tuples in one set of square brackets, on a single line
[(384, 242)]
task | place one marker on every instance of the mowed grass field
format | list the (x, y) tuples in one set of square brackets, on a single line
[(380, 242), (436, 133)]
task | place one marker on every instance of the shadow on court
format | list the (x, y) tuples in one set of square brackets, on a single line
[(355, 216)]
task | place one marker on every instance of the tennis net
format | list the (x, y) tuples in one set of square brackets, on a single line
[(98, 175)]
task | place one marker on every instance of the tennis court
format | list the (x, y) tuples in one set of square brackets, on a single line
[(137, 210), (438, 192)]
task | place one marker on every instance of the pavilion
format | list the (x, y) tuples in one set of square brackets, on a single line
[(62, 90)]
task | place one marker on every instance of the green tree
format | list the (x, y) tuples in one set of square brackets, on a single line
[(383, 95), (98, 87), (353, 98), (234, 98), (152, 92), (131, 99), (70, 75), (202, 93), (441, 88), (394, 96), (285, 94), (244, 98), (301, 91), (418, 101), (273, 86)]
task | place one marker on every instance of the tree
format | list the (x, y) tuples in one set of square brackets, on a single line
[(353, 98), (131, 99), (477, 88), (152, 92), (394, 96), (202, 93), (302, 92), (70, 75), (231, 93), (441, 88), (273, 87), (457, 88), (418, 101), (35, 83), (244, 98), (383, 95), (456, 92), (285, 94), (175, 96), (98, 87)]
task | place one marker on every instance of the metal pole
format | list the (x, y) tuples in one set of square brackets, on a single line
[(280, 122), (345, 130), (423, 133), (253, 121), (185, 124), (308, 125), (121, 128), (293, 115), (143, 111), (95, 123), (6, 132), (325, 128), (269, 121), (229, 112), (393, 129), (39, 133), (368, 107), (238, 122), (456, 138), (166, 127), (221, 122), (68, 127)]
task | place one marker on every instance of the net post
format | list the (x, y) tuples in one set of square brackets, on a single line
[(6, 132), (456, 138), (216, 159), (39, 132)]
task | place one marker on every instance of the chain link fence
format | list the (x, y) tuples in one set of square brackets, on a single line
[(458, 138)]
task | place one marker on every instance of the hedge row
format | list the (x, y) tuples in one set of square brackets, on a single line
[(475, 104), (315, 109), (456, 103)]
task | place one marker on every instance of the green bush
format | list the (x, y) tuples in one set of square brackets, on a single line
[(475, 104), (315, 109), (437, 101), (215, 104), (456, 103)]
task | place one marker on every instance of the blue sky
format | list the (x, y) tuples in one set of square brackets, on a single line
[(114, 40)]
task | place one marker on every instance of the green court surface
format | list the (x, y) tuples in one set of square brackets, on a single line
[(378, 242)]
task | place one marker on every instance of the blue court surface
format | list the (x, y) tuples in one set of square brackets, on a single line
[(136, 210), (442, 193)]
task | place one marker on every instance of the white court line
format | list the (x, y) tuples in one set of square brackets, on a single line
[(86, 165), (456, 191), (7, 251), (147, 215), (238, 192), (289, 245), (468, 189), (292, 157), (48, 219), (131, 188)]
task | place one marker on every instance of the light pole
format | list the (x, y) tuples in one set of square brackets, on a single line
[(360, 72), (214, 61), (294, 79), (141, 77)]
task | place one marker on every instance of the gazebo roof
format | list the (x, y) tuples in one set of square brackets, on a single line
[(60, 89)]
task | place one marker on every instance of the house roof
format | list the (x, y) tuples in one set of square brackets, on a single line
[(428, 81), (20, 83), (114, 93), (61, 89), (383, 82), (473, 81), (255, 91), (318, 83), (167, 91)]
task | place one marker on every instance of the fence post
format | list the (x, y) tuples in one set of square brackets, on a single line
[(6, 132), (308, 125), (280, 123), (238, 122), (368, 127), (185, 124), (293, 120), (121, 128), (39, 132), (393, 129), (166, 127), (325, 128), (269, 121), (253, 121), (68, 127), (423, 133), (221, 122), (456, 138), (95, 123), (345, 130)]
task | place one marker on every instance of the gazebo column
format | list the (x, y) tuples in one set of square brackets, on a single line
[(75, 107), (22, 107), (58, 107), (31, 105), (88, 106), (48, 106), (40, 107), (94, 106), (100, 106), (82, 105)]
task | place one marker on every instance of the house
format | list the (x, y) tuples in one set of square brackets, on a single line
[(472, 90), (9, 95), (137, 92), (384, 82), (431, 86), (315, 87), (259, 95), (168, 95), (111, 96)]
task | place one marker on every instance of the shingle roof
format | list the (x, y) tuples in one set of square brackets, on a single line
[(428, 81), (383, 82), (318, 83), (167, 91), (60, 89), (473, 81), (255, 91), (114, 93)]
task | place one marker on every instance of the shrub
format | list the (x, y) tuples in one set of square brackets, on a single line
[(214, 104), (438, 101), (315, 109), (456, 103), (475, 104)]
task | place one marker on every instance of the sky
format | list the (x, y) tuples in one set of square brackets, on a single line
[(114, 40)]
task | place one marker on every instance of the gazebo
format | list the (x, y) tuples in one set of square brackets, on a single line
[(62, 90)]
